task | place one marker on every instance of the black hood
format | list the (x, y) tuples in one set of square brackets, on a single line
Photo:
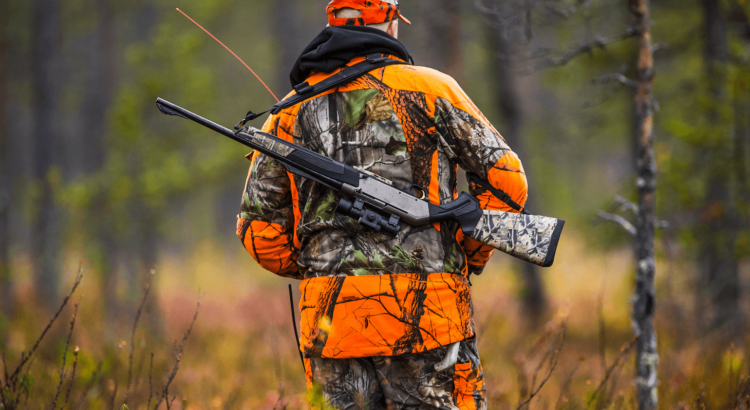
[(334, 47)]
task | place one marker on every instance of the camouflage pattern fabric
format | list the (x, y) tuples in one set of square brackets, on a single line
[(368, 293), (527, 236), (405, 382)]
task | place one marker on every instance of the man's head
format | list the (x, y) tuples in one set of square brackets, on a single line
[(380, 14)]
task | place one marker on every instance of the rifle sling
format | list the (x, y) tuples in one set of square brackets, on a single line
[(306, 91), (498, 193)]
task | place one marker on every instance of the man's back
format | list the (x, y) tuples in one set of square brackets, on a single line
[(365, 293)]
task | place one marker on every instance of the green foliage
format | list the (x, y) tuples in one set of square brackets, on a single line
[(355, 105)]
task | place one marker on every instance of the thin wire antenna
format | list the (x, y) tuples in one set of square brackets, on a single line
[(235, 55)]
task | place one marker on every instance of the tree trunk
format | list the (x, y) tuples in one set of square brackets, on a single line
[(511, 101), (445, 49), (644, 301), (6, 283), (46, 226), (718, 265), (289, 13)]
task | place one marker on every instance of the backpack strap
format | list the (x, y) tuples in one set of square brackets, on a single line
[(305, 91)]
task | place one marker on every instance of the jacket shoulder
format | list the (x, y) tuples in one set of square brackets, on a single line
[(422, 79)]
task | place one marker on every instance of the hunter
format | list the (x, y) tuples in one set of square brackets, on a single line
[(381, 315)]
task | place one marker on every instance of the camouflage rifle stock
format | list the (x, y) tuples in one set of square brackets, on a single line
[(377, 204)]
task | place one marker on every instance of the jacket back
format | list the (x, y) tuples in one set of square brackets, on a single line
[(371, 293)]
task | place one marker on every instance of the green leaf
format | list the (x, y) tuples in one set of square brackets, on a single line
[(356, 104), (403, 258), (360, 272), (361, 258), (377, 261)]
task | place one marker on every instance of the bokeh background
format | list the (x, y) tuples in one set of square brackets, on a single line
[(90, 171)]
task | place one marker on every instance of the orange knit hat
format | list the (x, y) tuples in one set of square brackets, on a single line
[(372, 12)]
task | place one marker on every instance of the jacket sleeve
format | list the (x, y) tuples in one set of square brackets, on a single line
[(266, 221), (478, 148)]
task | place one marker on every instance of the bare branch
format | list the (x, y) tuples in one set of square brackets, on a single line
[(659, 46), (114, 395), (150, 384), (165, 393), (72, 377), (132, 334), (625, 205), (95, 377), (598, 42), (553, 360), (26, 358), (65, 354), (619, 220), (605, 79), (602, 330), (624, 352)]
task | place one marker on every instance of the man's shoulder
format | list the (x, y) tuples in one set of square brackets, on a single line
[(421, 79)]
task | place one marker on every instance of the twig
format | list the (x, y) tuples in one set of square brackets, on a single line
[(65, 354), (137, 383), (602, 330), (2, 382), (566, 384), (615, 77), (90, 384), (165, 393), (598, 42), (150, 384), (619, 220), (625, 205), (612, 368), (554, 359), (132, 334), (114, 394), (72, 377), (26, 358)]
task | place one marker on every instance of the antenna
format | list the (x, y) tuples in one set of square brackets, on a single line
[(235, 55)]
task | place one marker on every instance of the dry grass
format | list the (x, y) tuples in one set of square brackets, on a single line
[(241, 353)]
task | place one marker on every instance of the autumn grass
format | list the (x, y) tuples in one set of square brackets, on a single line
[(242, 354)]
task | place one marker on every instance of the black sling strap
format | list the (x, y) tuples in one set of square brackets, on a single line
[(498, 193), (306, 91)]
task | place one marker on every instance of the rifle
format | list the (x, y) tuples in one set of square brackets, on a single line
[(378, 205)]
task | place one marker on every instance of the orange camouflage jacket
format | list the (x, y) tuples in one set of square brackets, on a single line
[(366, 293)]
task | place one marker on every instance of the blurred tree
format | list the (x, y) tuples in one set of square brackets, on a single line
[(97, 102), (46, 83), (6, 283), (718, 264), (644, 300), (508, 36), (444, 31), (295, 24)]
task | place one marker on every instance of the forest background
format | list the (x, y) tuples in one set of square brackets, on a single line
[(91, 172)]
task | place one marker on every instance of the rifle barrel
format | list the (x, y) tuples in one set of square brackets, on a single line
[(168, 108)]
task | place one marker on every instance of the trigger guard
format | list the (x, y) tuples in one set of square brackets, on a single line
[(425, 193)]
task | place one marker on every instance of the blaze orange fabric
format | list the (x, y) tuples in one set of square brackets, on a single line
[(507, 175), (377, 314), (372, 12), (467, 385), (270, 247), (362, 316)]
